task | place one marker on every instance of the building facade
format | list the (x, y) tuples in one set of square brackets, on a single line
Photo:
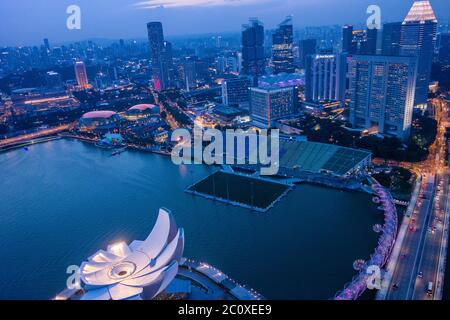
[(391, 39), (325, 77), (444, 49), (235, 92), (306, 47), (253, 59), (270, 104), (81, 75), (382, 93), (282, 47), (158, 55), (359, 41), (418, 38)]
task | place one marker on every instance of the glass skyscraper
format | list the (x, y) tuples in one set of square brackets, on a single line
[(253, 60), (282, 47), (391, 39), (306, 48), (418, 39), (160, 72)]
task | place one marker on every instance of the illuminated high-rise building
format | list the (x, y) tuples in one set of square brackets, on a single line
[(270, 104), (325, 77), (391, 39), (160, 72), (382, 93), (235, 92), (444, 48), (253, 60), (282, 47), (418, 39), (347, 38), (81, 75), (306, 47)]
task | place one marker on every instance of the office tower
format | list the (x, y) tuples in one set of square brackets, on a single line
[(418, 38), (190, 75), (306, 48), (270, 104), (168, 62), (47, 45), (382, 93), (282, 47), (347, 39), (81, 75), (325, 77), (391, 39), (444, 48), (232, 64), (239, 61), (160, 74), (253, 61), (369, 46), (235, 92), (359, 41), (53, 80), (221, 64)]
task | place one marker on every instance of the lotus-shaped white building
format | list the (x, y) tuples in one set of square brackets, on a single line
[(140, 270)]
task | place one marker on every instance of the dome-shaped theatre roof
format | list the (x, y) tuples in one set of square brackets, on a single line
[(99, 115), (142, 107)]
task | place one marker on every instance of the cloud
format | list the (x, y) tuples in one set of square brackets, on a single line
[(153, 4)]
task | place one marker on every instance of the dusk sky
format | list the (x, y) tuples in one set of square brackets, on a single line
[(25, 22)]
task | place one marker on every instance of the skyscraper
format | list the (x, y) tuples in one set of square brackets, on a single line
[(325, 77), (418, 38), (47, 44), (160, 73), (359, 41), (81, 75), (306, 48), (444, 48), (391, 39), (347, 38), (282, 47), (382, 93), (370, 44), (253, 61)]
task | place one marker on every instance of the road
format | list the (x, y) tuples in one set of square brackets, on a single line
[(424, 248), (430, 255), (406, 268), (35, 135)]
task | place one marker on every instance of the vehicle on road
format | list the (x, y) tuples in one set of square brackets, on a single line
[(420, 274), (429, 289)]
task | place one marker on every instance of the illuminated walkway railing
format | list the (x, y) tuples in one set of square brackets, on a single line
[(358, 285)]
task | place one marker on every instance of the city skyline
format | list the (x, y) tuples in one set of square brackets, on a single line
[(323, 148), (125, 19)]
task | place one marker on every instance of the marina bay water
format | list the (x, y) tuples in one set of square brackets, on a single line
[(63, 200)]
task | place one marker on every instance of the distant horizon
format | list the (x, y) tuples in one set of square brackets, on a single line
[(27, 23)]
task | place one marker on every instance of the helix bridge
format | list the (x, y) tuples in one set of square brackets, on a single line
[(388, 232)]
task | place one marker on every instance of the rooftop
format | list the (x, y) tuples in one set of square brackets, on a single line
[(143, 107), (99, 115), (315, 157), (422, 12)]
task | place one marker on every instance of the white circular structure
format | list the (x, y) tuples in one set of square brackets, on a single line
[(142, 269)]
